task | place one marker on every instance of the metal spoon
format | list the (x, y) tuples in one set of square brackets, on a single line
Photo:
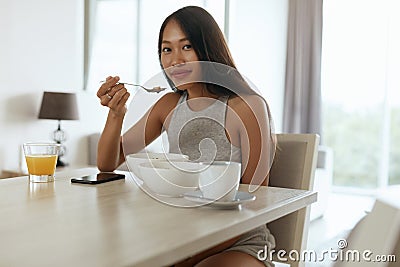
[(155, 89)]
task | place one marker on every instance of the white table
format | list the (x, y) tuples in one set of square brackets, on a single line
[(117, 224)]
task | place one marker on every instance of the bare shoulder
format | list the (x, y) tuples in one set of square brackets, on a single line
[(169, 97), (167, 100), (164, 106), (246, 105)]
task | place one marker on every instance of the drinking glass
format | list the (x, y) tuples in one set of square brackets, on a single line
[(41, 159)]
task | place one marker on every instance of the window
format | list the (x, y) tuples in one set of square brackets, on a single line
[(112, 52), (126, 34), (361, 96)]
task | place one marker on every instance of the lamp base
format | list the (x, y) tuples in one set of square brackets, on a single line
[(61, 163)]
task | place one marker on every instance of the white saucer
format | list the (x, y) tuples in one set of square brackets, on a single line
[(241, 197)]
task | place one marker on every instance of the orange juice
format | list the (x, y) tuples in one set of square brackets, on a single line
[(41, 164)]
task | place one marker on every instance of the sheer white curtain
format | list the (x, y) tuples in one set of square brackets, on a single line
[(302, 101)]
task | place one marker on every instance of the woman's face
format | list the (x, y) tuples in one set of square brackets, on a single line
[(178, 57)]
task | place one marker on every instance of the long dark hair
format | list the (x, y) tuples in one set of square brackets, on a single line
[(209, 44)]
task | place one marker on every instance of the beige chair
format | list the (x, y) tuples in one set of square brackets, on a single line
[(396, 252), (379, 233), (293, 167)]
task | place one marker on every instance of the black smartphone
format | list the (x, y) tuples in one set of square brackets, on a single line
[(99, 178)]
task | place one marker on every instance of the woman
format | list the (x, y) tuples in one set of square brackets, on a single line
[(225, 115)]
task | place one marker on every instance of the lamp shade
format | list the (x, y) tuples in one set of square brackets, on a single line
[(59, 106)]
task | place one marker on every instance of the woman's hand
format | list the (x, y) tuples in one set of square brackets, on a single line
[(113, 95)]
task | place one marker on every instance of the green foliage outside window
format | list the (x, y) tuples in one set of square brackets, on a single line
[(355, 139)]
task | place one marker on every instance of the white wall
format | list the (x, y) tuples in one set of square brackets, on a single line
[(41, 49), (258, 44)]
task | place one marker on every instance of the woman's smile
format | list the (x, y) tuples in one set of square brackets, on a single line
[(180, 74)]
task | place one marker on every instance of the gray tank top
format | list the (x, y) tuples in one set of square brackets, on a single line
[(201, 134)]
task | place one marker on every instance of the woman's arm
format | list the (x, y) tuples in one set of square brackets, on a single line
[(256, 141), (112, 146), (114, 96)]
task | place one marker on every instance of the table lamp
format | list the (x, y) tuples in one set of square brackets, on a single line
[(59, 106)]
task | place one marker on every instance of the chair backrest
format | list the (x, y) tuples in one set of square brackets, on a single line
[(293, 167), (379, 233), (396, 252)]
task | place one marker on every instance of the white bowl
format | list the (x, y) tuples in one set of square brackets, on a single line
[(220, 180), (133, 160), (171, 178)]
